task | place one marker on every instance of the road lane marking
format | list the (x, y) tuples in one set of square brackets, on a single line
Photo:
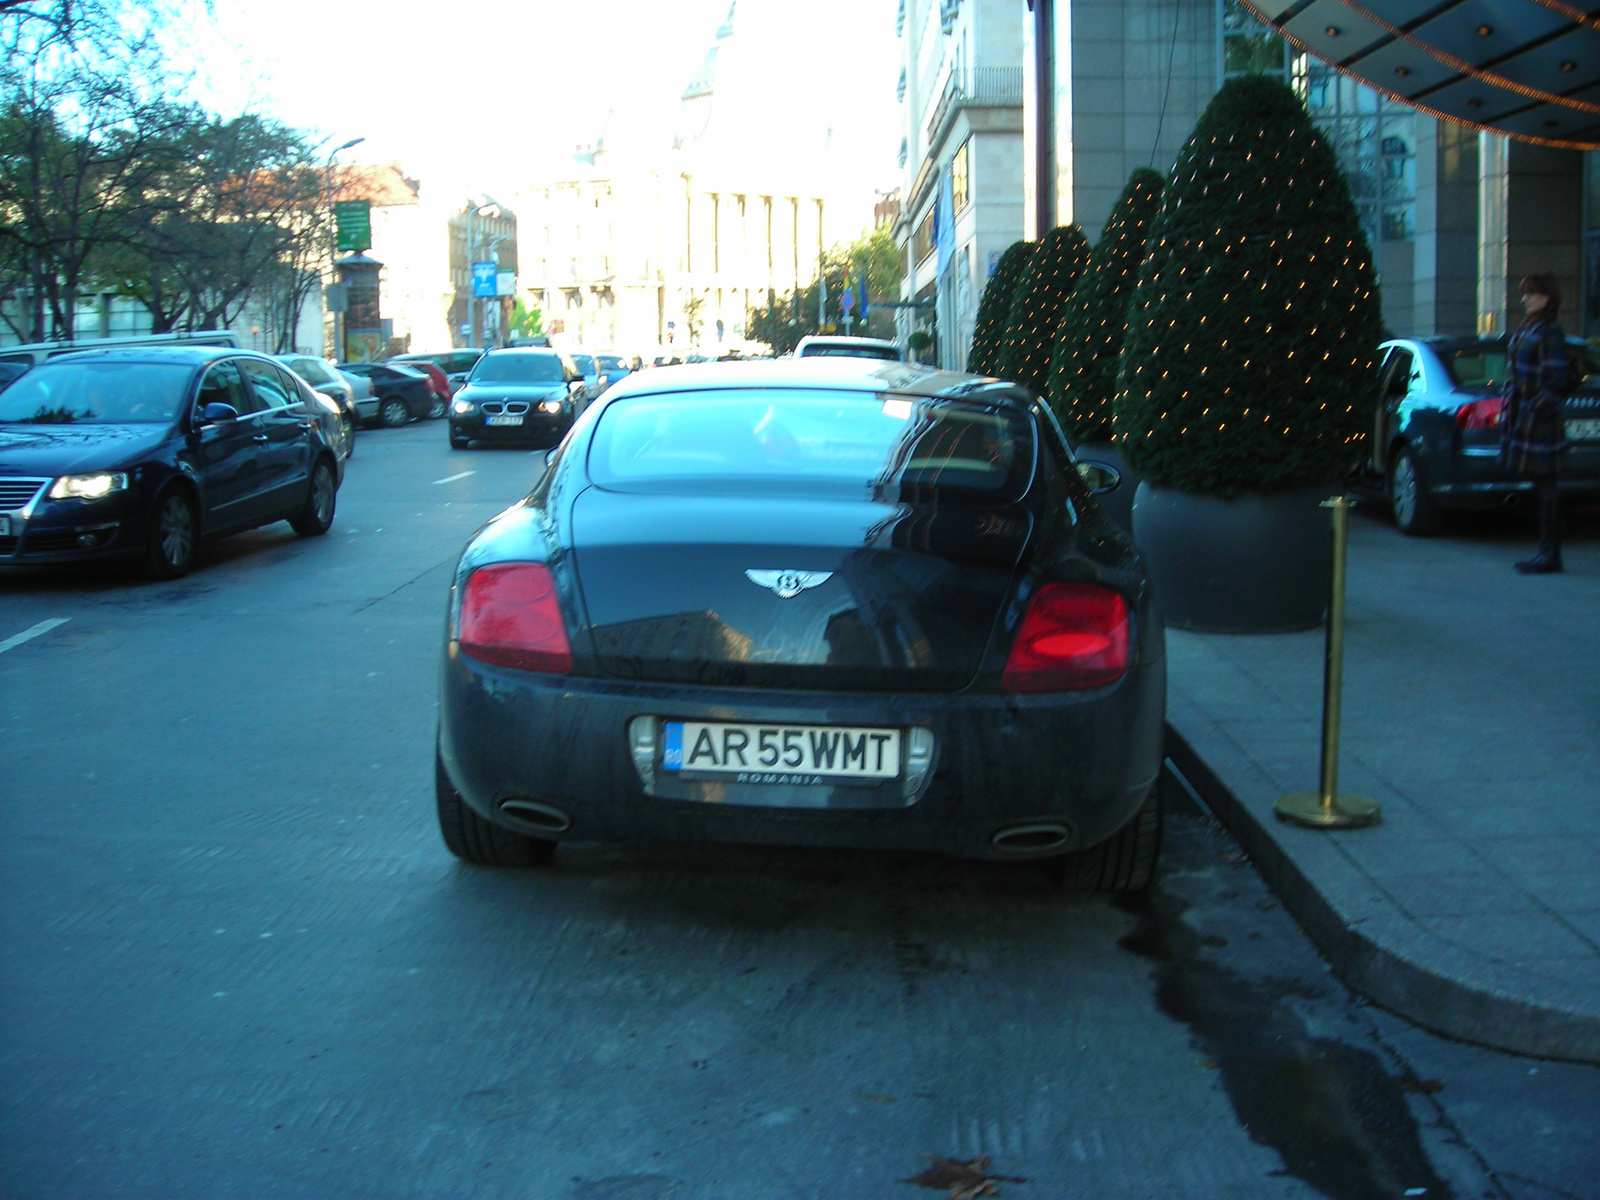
[(28, 634), (456, 476)]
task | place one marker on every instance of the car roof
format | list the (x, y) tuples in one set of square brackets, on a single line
[(829, 339), (839, 374), (526, 351), (193, 356)]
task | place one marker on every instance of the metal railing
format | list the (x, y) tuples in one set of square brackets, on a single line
[(975, 87)]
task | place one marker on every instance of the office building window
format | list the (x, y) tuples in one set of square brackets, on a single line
[(960, 188), (1373, 137), (922, 239)]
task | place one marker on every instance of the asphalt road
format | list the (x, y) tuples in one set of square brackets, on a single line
[(236, 960)]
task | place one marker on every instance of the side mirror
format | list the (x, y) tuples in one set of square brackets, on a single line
[(574, 386), (1098, 477), (215, 413)]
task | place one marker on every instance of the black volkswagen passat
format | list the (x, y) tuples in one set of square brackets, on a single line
[(517, 395), (824, 602), (143, 452)]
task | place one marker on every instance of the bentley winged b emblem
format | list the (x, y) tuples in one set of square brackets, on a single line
[(788, 584)]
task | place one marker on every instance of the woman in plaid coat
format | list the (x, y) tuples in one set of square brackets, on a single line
[(1533, 440)]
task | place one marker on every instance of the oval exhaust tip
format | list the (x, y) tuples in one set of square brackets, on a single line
[(531, 812), (1031, 839)]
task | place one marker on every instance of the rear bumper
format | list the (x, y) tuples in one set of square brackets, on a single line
[(1083, 761)]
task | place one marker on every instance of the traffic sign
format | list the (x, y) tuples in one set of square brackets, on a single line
[(353, 221), (848, 300), (483, 278)]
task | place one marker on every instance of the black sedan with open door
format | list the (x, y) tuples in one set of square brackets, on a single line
[(819, 602)]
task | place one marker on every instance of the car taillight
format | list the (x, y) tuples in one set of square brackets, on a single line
[(510, 616), (1481, 414), (1074, 635)]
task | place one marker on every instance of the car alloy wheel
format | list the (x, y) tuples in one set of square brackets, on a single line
[(437, 409), (172, 537), (393, 413), (316, 518), (1414, 510)]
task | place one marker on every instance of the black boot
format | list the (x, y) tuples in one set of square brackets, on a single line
[(1548, 559)]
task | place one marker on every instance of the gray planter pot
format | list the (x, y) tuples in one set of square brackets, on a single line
[(1259, 563), (1117, 500)]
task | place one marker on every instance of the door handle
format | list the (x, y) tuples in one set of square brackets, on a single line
[(260, 437)]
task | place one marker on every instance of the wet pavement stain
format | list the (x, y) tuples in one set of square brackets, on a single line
[(1338, 1119)]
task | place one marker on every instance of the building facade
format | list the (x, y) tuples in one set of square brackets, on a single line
[(667, 244), (1455, 217), (961, 92)]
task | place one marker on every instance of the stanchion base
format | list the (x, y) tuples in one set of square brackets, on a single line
[(1346, 812)]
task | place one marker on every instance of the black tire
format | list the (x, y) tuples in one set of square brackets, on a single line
[(472, 839), (173, 537), (1413, 507), (393, 413), (315, 517), (437, 409), (1125, 862)]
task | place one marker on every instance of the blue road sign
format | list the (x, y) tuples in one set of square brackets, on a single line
[(848, 300), (483, 278)]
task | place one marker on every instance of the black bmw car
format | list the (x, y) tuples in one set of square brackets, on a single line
[(829, 602), (525, 394), (144, 452)]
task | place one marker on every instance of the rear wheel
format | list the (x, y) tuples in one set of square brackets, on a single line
[(316, 518), (1414, 510), (470, 838), (393, 413), (1125, 862), (173, 533)]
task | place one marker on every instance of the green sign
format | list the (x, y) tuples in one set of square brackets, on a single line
[(353, 220)]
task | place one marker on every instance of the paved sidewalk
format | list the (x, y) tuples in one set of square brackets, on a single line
[(1472, 714)]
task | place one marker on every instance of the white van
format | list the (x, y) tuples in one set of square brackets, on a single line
[(32, 354)]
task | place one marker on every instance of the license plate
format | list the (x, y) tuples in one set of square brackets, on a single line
[(5, 526), (781, 753), (1583, 431), (506, 420)]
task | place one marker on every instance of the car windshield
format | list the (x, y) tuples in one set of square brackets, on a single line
[(97, 393), (851, 352), (610, 362), (880, 444), (517, 368), (584, 362)]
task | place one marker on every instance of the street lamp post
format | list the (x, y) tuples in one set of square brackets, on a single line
[(333, 246)]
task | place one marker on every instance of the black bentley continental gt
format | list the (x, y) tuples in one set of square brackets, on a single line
[(824, 602)]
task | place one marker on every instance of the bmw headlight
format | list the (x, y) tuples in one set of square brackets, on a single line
[(462, 407), (550, 406), (89, 487)]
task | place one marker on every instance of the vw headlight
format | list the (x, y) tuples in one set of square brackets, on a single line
[(89, 487), (550, 406), (462, 407)]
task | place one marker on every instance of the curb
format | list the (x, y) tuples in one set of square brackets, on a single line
[(1470, 1011)]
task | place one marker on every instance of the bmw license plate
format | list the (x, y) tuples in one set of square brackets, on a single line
[(1583, 431), (781, 753), (506, 420)]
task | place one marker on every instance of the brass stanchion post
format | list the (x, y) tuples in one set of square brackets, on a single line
[(1328, 808)]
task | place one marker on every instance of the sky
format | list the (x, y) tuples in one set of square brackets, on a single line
[(476, 98)]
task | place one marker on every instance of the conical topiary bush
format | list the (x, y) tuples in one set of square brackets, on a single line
[(1248, 360), (994, 308), (1045, 285), (1083, 363), (1246, 381)]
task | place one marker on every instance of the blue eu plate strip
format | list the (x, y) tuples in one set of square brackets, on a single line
[(672, 755)]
